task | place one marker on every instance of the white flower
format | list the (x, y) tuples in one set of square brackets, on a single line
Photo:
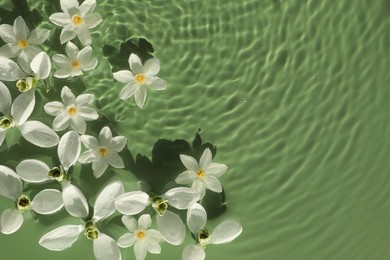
[(35, 171), (40, 66), (16, 114), (74, 111), (104, 247), (139, 79), (75, 63), (45, 202), (225, 232), (76, 20), (21, 43), (103, 152), (141, 236), (169, 224), (202, 175)]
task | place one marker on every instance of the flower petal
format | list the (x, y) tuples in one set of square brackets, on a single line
[(153, 246), (2, 135), (158, 84), (78, 124), (132, 203), (105, 136), (47, 201), (99, 167), (41, 65), (212, 183), (10, 221), (6, 100), (123, 76), (226, 232), (189, 162), (130, 223), (216, 169), (67, 34), (135, 64), (84, 55), (89, 141), (186, 177), (118, 143), (9, 70), (39, 134), (144, 221), (92, 20), (199, 186), (69, 149), (84, 99), (205, 159), (193, 252), (54, 108), (88, 114), (59, 19), (115, 160), (87, 7), (105, 248), (90, 65), (7, 33), (196, 218), (22, 107), (61, 122), (74, 201), (83, 35), (171, 227), (126, 240), (140, 96), (9, 50), (69, 6), (62, 73), (61, 60), (20, 28), (10, 183), (67, 96), (129, 90), (38, 36), (140, 251), (61, 238), (151, 67), (87, 157), (104, 205), (33, 171), (181, 197)]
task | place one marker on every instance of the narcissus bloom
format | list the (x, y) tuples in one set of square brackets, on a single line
[(104, 247), (75, 62), (202, 175), (225, 232), (76, 20), (16, 114), (21, 43), (169, 224), (103, 152), (73, 111), (45, 202), (141, 236), (139, 79)]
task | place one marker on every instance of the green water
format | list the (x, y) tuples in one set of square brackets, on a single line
[(294, 94)]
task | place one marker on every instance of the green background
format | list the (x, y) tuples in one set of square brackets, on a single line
[(295, 94)]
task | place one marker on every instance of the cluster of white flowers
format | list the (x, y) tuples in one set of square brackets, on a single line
[(22, 61)]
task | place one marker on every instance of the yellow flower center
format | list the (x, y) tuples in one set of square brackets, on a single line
[(140, 78), (22, 44), (75, 64), (72, 111), (102, 151), (140, 235), (77, 20), (201, 174)]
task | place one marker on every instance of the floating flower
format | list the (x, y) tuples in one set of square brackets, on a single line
[(73, 111), (104, 247), (75, 63), (139, 79), (225, 232), (21, 43), (35, 171), (141, 236), (76, 20), (103, 152), (16, 114), (40, 67), (169, 224), (45, 202), (202, 175)]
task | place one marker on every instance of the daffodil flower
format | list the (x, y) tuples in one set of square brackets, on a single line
[(169, 224), (74, 111), (40, 66), (225, 232), (47, 201), (75, 62), (103, 152), (76, 20), (139, 79), (21, 43), (141, 236), (35, 171), (202, 175), (104, 247), (16, 114)]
